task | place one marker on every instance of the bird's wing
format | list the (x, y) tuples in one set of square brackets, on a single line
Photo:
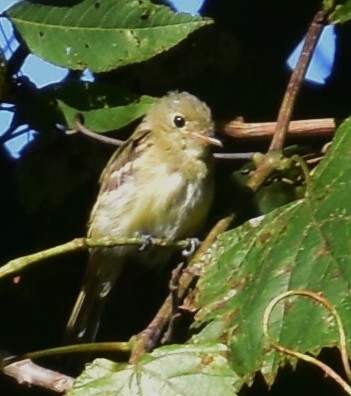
[(120, 164)]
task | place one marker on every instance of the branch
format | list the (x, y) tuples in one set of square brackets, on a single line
[(296, 80), (301, 128), (149, 337), (268, 163), (24, 370), (20, 263), (30, 373)]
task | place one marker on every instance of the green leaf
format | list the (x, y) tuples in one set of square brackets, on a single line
[(173, 370), (304, 245), (101, 35), (342, 13), (103, 106)]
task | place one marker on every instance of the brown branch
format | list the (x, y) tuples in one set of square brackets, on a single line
[(27, 372), (296, 80), (271, 160), (149, 337), (300, 128)]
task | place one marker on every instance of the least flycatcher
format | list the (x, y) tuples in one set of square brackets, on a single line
[(160, 184)]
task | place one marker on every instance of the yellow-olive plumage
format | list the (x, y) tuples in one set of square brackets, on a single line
[(159, 183)]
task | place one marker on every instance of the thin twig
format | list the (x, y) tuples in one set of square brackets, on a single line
[(12, 134), (342, 336), (148, 338), (234, 156), (18, 264), (174, 293), (329, 372), (85, 131)]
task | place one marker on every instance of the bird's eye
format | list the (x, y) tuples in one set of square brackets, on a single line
[(179, 121)]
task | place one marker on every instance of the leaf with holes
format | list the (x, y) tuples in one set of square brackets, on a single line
[(101, 35), (304, 245)]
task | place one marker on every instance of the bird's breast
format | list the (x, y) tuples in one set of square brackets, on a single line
[(163, 203)]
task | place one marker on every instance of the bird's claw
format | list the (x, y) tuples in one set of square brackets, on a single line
[(193, 243), (147, 241)]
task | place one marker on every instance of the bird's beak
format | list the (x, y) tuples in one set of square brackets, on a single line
[(207, 139)]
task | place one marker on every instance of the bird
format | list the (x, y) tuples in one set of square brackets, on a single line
[(159, 184)]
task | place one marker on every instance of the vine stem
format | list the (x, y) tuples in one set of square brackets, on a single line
[(342, 337)]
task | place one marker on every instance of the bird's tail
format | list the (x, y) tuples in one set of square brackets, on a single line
[(102, 273)]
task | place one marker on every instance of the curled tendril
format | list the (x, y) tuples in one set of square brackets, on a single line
[(342, 337)]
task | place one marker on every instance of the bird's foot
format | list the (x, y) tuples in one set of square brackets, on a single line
[(147, 242), (193, 243)]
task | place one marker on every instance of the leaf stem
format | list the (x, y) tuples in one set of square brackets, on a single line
[(123, 347)]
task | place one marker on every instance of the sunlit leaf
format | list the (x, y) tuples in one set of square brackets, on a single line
[(169, 371), (304, 245), (101, 35)]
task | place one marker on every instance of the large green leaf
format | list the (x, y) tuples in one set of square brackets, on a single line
[(168, 371), (101, 35), (304, 245)]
